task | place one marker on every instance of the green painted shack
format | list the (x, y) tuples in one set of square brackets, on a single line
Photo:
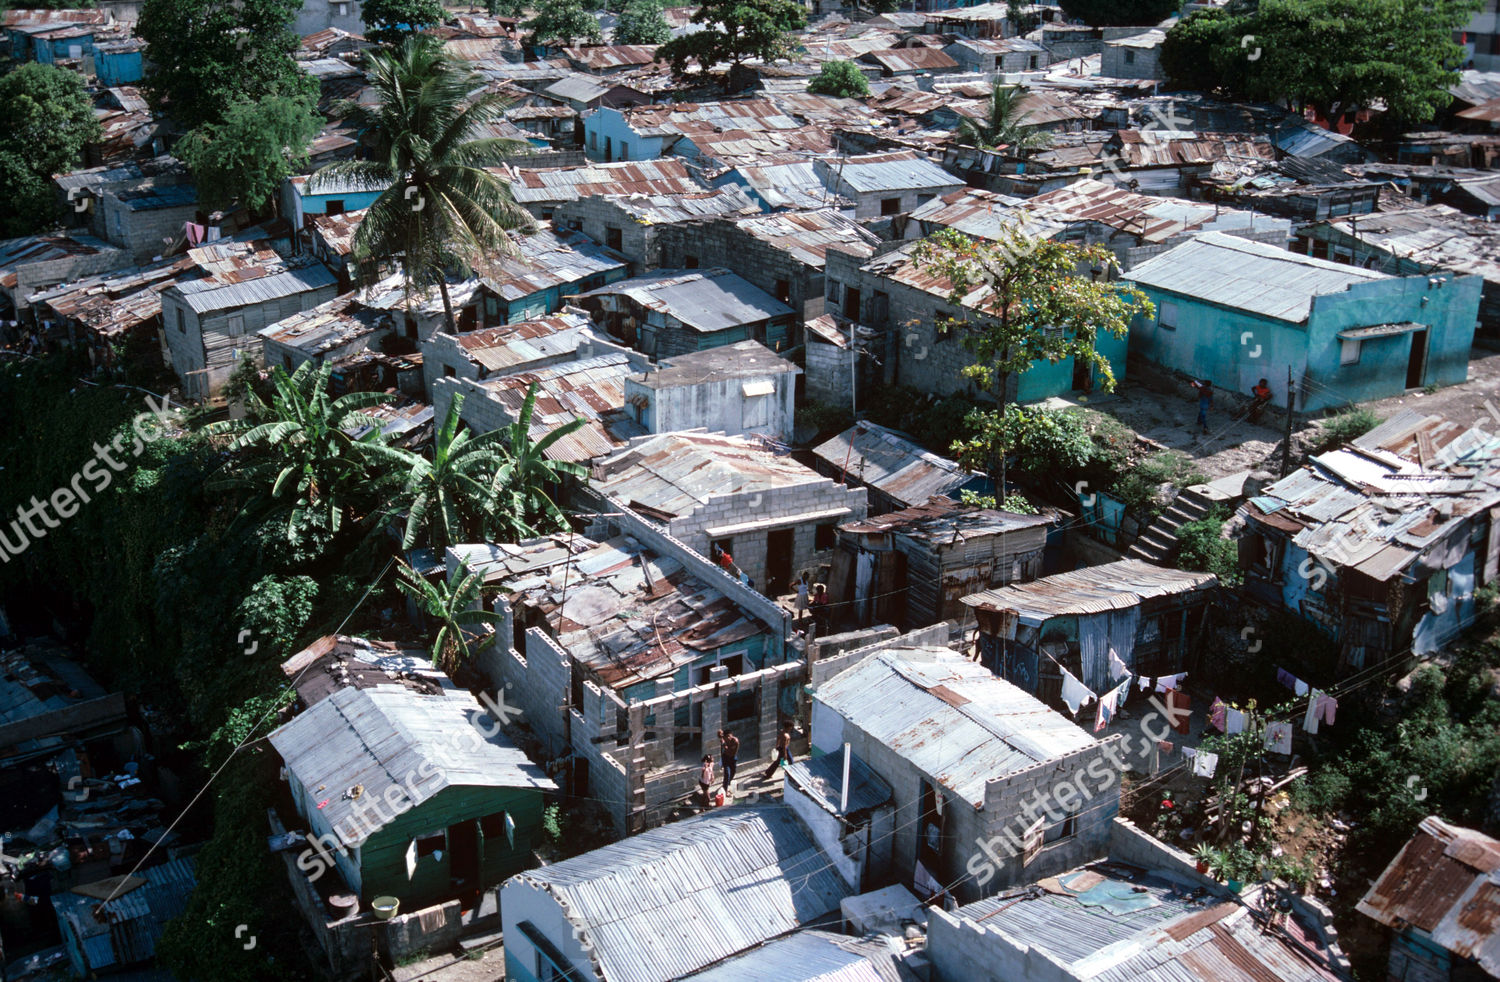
[(409, 788)]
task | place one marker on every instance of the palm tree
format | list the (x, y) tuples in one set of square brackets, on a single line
[(520, 484), (453, 495), (440, 209), (1004, 123), (298, 446), (454, 607)]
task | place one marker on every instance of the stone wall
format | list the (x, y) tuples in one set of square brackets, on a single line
[(828, 372)]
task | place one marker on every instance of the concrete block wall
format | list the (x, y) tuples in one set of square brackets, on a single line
[(481, 412), (722, 242), (963, 951), (1089, 771), (536, 682), (141, 233), (594, 216), (828, 372), (749, 548)]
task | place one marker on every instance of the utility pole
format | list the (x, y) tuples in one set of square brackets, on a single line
[(853, 374), (1286, 442)]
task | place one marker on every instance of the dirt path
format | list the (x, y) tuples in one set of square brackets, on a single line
[(1234, 445)]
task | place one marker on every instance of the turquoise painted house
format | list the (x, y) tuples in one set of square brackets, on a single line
[(1234, 311), (406, 784), (301, 197), (64, 41), (549, 266), (119, 62), (908, 311)]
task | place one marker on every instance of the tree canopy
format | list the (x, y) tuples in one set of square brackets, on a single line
[(48, 118), (1120, 13), (204, 56), (840, 78), (245, 158), (440, 210), (641, 22), (737, 30), (1004, 123), (562, 23), (1334, 56), (390, 21)]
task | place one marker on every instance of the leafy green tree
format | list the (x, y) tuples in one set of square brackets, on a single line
[(1120, 13), (451, 497), (736, 30), (521, 485), (29, 202), (440, 210), (562, 23), (245, 158), (1045, 443), (275, 612), (840, 78), (296, 450), (1334, 56), (641, 22), (454, 607), (1023, 302), (206, 55), (1004, 123), (392, 21), (49, 118)]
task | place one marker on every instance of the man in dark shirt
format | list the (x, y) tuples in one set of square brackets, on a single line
[(729, 749), (783, 752)]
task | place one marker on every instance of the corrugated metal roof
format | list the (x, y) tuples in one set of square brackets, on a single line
[(556, 184), (1445, 882), (210, 293), (668, 209), (807, 236), (978, 729), (593, 389), (1396, 491), (497, 349), (332, 324), (822, 779), (1112, 922), (1435, 237), (603, 57), (708, 117), (943, 521), (125, 930), (675, 473), (918, 59), (28, 249), (812, 956), (579, 88), (547, 258), (676, 899), (785, 184), (894, 464), (337, 231), (1248, 275), (741, 360), (627, 614), (903, 170), (392, 737), (706, 300), (1111, 586)]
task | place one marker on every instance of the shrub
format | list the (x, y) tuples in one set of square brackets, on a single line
[(1344, 427), (842, 79), (1203, 548), (1139, 487)]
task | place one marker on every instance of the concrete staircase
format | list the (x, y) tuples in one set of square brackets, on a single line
[(1158, 543)]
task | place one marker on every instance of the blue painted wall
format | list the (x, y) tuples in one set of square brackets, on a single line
[(1235, 348), (609, 123), (317, 204), (119, 68), (1045, 379)]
